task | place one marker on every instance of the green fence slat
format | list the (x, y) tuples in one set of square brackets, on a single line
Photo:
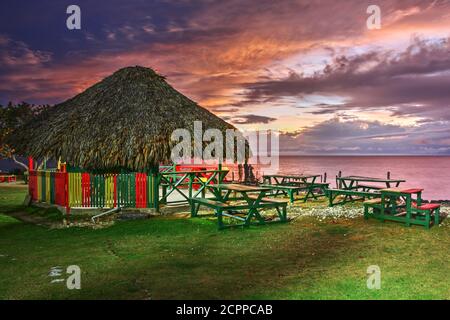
[(52, 187), (43, 189)]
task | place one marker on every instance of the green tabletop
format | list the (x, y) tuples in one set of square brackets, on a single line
[(370, 179), (238, 187), (292, 176)]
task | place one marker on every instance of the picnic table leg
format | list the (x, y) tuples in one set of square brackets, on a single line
[(330, 198), (428, 220), (437, 215), (219, 219), (419, 199), (383, 207), (291, 196), (195, 208), (253, 208), (310, 193), (408, 211), (192, 209)]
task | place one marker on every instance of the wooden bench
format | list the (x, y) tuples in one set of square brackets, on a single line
[(374, 204), (350, 195), (322, 186), (269, 203), (425, 211), (210, 203), (10, 178), (419, 214), (368, 187), (293, 188), (222, 209), (269, 200), (288, 190)]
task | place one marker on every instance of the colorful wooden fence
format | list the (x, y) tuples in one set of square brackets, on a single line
[(132, 190), (78, 189)]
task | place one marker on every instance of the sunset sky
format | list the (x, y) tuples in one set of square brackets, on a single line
[(311, 69)]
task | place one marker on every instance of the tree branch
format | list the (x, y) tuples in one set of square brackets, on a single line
[(19, 163)]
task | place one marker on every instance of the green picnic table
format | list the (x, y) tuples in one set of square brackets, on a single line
[(357, 182), (288, 185), (253, 199), (403, 205), (282, 179), (354, 188)]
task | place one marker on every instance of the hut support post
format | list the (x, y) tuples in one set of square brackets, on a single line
[(220, 175), (66, 186), (156, 180)]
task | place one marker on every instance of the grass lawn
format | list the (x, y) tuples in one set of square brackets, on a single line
[(181, 258)]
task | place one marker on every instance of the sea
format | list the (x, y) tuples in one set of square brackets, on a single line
[(431, 173)]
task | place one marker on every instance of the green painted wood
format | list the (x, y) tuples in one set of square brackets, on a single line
[(43, 186), (52, 187)]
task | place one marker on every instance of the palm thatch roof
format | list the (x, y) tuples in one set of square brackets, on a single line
[(124, 121)]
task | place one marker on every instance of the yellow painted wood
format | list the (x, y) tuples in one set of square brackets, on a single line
[(47, 187), (75, 196), (39, 186), (109, 191)]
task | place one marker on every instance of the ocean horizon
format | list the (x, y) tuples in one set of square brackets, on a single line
[(432, 173)]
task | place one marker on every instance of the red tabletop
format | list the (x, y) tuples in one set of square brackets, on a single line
[(402, 190)]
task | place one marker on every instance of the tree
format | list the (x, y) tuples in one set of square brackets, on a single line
[(13, 117)]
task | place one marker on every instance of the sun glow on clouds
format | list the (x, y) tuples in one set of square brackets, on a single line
[(293, 66)]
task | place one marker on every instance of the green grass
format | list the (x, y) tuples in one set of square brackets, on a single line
[(170, 258)]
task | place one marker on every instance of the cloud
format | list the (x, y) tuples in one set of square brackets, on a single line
[(251, 119), (238, 58), (337, 136), (16, 54), (412, 82)]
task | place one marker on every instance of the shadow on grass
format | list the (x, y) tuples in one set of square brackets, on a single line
[(190, 259)]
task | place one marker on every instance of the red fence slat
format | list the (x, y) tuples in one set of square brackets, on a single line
[(60, 188), (141, 190), (32, 185)]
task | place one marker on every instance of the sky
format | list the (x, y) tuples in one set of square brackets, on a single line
[(311, 70)]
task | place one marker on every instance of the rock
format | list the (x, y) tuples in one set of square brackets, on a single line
[(133, 216)]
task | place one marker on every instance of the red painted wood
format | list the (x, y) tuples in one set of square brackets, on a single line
[(66, 190), (60, 188), (412, 191), (141, 190), (32, 185), (30, 164), (429, 206), (86, 189), (115, 190)]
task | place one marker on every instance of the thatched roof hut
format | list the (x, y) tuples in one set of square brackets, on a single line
[(124, 121)]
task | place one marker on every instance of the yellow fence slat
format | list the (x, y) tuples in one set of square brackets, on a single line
[(38, 186), (47, 187), (109, 191), (75, 197)]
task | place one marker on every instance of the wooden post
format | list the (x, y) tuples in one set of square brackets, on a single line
[(156, 179), (338, 182), (30, 164), (389, 175), (66, 186), (325, 177)]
